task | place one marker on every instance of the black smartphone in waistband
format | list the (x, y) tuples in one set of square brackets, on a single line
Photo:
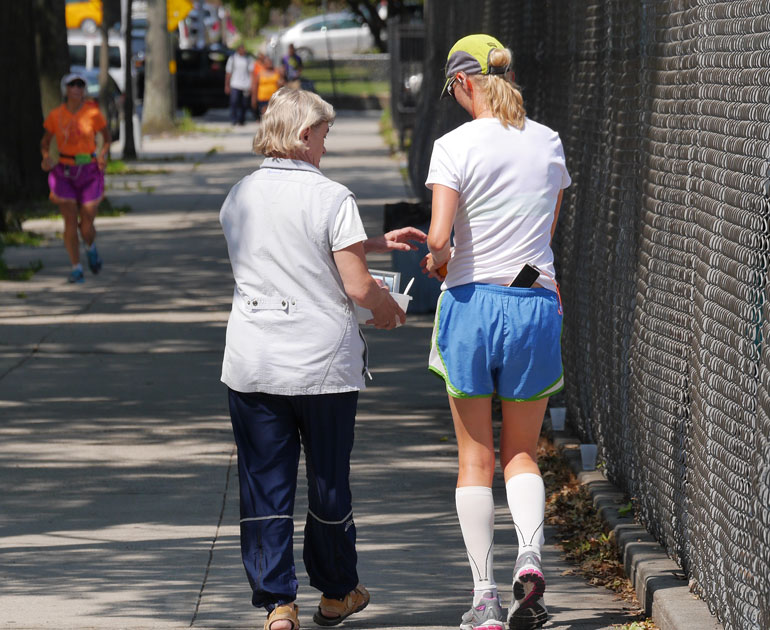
[(526, 277)]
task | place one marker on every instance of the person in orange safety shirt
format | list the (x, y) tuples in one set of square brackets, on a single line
[(263, 85), (77, 180)]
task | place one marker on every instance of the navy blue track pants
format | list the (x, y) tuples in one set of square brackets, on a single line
[(268, 430)]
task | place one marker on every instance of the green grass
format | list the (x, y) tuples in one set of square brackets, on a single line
[(106, 209), (19, 274), (186, 124), (21, 239), (178, 157), (322, 72), (387, 132), (348, 80), (119, 167), (253, 43), (352, 88)]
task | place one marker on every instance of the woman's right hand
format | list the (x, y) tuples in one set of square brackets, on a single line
[(47, 164), (388, 314)]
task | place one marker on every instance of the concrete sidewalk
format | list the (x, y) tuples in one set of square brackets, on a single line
[(119, 506)]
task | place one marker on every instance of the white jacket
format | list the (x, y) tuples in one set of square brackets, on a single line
[(292, 329)]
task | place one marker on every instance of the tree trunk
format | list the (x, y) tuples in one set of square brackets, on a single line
[(21, 178), (104, 64), (110, 15), (129, 150), (52, 51), (158, 110)]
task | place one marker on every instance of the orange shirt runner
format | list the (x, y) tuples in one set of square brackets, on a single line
[(75, 133)]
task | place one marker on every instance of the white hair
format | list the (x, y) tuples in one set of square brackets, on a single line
[(289, 112)]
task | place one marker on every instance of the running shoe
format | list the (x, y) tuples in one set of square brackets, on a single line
[(94, 262), (486, 614), (528, 618), (527, 607), (76, 276)]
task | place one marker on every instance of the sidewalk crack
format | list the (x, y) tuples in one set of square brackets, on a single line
[(216, 537)]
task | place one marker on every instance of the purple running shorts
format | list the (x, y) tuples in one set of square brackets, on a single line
[(83, 183)]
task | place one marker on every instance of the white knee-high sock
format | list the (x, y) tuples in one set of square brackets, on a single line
[(476, 511), (526, 500)]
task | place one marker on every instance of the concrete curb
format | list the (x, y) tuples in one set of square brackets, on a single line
[(661, 585)]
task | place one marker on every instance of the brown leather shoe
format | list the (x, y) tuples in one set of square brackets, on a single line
[(289, 612), (354, 602)]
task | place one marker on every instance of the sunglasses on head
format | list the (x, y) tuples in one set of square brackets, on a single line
[(76, 83)]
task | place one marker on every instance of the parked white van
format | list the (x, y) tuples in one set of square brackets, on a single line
[(85, 50)]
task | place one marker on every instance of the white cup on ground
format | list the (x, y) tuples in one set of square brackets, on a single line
[(588, 456), (558, 415), (364, 314)]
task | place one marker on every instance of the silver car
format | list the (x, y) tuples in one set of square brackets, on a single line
[(324, 36)]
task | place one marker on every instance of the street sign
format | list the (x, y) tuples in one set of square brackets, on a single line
[(176, 11)]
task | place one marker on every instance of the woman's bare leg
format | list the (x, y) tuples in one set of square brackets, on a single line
[(69, 212)]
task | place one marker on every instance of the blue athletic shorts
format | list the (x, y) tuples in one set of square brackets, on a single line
[(489, 338)]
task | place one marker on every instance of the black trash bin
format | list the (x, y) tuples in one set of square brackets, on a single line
[(425, 290)]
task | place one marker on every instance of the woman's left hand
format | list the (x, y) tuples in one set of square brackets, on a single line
[(101, 161), (402, 240), (433, 270)]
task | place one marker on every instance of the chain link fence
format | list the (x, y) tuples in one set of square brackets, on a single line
[(662, 249)]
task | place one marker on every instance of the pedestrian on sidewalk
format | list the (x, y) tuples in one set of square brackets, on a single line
[(295, 358), (264, 83), (291, 68), (238, 71), (77, 179), (498, 181)]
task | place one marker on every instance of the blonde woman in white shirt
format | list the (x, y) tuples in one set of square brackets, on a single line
[(295, 358), (497, 181)]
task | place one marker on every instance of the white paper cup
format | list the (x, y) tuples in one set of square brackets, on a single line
[(363, 315), (558, 415), (588, 456)]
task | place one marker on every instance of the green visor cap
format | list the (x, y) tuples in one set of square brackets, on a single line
[(471, 55)]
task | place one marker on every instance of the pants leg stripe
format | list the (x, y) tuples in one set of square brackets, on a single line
[(320, 520), (264, 518)]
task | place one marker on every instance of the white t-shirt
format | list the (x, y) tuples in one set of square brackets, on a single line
[(348, 227), (239, 68), (509, 181), (292, 328)]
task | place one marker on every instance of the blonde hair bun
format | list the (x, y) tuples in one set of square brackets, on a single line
[(500, 58)]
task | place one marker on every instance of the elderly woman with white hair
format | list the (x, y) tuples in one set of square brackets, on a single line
[(295, 358)]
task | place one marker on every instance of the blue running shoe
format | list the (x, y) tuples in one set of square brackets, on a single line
[(76, 277), (94, 262)]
